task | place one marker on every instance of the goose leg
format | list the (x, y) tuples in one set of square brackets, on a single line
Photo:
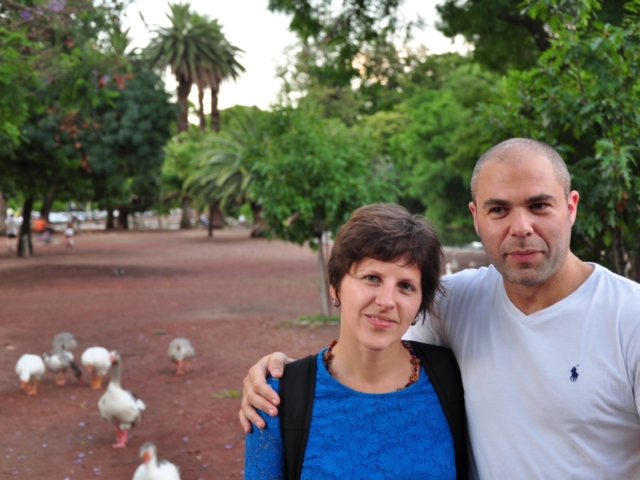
[(121, 438), (34, 389), (96, 381), (60, 378), (179, 370), (25, 386)]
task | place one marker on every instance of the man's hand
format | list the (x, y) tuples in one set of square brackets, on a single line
[(256, 393)]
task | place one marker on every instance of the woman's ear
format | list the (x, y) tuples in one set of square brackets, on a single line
[(333, 293)]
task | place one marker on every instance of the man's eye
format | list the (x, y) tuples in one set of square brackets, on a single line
[(538, 206), (497, 210)]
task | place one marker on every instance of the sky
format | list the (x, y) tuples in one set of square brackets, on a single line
[(263, 36)]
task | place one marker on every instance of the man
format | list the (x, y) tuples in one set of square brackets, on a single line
[(548, 346)]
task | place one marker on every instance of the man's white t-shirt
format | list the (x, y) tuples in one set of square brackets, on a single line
[(551, 395)]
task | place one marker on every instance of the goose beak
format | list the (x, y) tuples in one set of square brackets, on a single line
[(146, 458)]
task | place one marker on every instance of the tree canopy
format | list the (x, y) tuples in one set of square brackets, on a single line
[(580, 98)]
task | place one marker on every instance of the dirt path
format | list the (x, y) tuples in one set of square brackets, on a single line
[(229, 295)]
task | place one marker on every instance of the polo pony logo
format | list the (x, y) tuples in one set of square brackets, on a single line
[(574, 373)]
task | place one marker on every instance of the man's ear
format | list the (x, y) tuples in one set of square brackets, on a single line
[(474, 213), (572, 204)]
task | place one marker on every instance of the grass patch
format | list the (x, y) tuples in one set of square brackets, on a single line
[(313, 321), (226, 394)]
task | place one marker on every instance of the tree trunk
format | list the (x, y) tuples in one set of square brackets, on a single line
[(210, 224), (201, 109), (217, 218), (110, 224), (25, 247), (259, 225), (185, 222), (215, 113), (3, 214), (184, 88), (324, 294), (123, 218), (47, 203)]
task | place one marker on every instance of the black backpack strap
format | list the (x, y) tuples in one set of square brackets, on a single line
[(297, 388), (443, 371)]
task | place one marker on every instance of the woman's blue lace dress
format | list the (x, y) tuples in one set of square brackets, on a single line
[(354, 435)]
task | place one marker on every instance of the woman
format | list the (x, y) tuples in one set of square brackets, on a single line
[(375, 410)]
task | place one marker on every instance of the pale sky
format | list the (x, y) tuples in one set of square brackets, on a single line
[(263, 36)]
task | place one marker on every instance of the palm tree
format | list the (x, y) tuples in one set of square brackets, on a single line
[(228, 67), (192, 46), (223, 172)]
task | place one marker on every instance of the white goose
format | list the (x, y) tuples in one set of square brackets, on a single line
[(98, 361), (65, 341), (181, 352), (152, 469), (118, 406), (57, 361), (30, 367)]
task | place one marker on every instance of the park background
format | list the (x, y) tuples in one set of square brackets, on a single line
[(119, 123)]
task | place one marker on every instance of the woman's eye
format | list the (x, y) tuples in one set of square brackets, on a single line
[(407, 286), (371, 278)]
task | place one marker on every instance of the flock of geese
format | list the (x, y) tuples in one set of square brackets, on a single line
[(118, 406)]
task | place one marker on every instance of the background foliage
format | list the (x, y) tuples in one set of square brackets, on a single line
[(361, 117)]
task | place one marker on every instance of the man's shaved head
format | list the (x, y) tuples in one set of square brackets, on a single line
[(519, 149)]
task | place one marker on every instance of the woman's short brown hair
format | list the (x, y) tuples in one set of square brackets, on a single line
[(388, 232)]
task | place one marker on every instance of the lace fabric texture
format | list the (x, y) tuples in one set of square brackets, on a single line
[(397, 435)]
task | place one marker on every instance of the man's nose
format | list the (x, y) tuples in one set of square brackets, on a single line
[(521, 223)]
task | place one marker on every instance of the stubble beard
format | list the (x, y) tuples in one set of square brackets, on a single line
[(529, 274)]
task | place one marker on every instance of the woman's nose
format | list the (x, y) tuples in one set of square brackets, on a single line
[(384, 297)]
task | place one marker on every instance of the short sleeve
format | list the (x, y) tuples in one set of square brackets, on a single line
[(264, 454)]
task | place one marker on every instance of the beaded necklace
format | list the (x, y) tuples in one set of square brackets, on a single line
[(415, 361)]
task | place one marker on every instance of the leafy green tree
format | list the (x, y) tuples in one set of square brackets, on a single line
[(503, 35), (315, 173), (433, 138), (347, 60), (63, 55), (126, 150), (16, 75), (581, 98), (358, 29)]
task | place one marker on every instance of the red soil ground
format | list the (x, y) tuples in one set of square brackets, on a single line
[(229, 295)]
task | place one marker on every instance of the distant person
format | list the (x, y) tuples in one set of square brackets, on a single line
[(42, 229), (68, 235), (11, 226)]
